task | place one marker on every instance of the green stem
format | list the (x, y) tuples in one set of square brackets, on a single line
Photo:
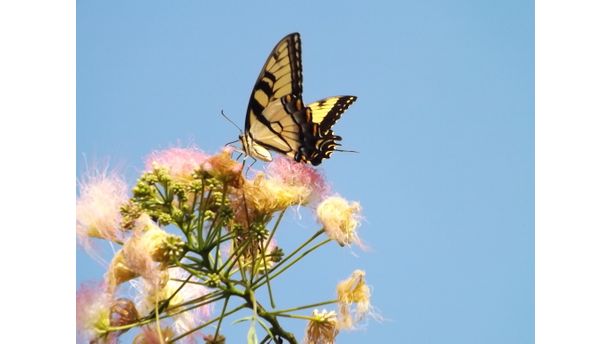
[(192, 271), (189, 224), (259, 310), (213, 231), (166, 302), (201, 211), (157, 322), (194, 259), (218, 231), (148, 319), (195, 303), (284, 260), (221, 317), (161, 194), (235, 256), (295, 316), (276, 327), (265, 263), (195, 329), (295, 261), (313, 305)]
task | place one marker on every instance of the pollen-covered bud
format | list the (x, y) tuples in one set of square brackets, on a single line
[(322, 329), (211, 339), (123, 312)]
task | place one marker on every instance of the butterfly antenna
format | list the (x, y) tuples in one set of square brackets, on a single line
[(346, 151), (227, 118)]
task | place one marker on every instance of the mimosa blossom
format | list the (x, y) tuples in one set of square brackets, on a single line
[(265, 195), (323, 329), (353, 299), (101, 195), (340, 219), (295, 174), (93, 309), (285, 183), (150, 335), (184, 321), (225, 250), (181, 163), (144, 254), (223, 167)]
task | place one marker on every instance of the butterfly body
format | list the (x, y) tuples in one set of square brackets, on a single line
[(277, 118)]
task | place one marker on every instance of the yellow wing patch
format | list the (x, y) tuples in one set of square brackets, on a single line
[(327, 111), (281, 75)]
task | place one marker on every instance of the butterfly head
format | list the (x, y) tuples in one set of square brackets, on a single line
[(253, 149)]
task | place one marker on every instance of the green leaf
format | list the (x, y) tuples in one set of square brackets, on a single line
[(237, 321), (252, 335), (265, 327)]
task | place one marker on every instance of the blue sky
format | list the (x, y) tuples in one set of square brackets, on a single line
[(443, 124)]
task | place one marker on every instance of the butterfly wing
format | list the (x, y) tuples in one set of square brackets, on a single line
[(285, 127), (327, 111), (281, 75), (275, 116), (324, 114)]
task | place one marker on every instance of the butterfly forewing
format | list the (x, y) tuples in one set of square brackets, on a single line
[(280, 76)]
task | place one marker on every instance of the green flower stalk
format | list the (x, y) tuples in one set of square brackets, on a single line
[(197, 233)]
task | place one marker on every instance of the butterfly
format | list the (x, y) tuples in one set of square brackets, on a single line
[(277, 118)]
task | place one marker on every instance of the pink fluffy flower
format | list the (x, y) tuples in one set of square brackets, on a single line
[(180, 162), (150, 335), (100, 198), (223, 167), (354, 300), (141, 254), (286, 183), (297, 174), (340, 219), (93, 309)]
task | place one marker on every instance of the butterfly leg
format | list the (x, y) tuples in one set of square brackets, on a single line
[(251, 165)]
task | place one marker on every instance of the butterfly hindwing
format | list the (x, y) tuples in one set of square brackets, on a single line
[(324, 114), (327, 111), (284, 128)]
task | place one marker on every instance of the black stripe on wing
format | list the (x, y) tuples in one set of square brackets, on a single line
[(281, 75), (327, 111), (324, 146), (290, 129)]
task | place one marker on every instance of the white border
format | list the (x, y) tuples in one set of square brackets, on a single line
[(37, 170), (573, 172)]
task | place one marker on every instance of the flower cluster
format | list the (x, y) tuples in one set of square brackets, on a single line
[(195, 233)]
